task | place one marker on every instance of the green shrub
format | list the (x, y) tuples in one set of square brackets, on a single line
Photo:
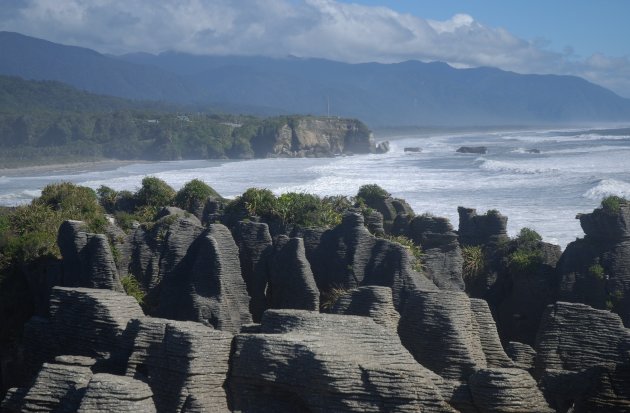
[(154, 192), (597, 271), (132, 288), (523, 261), (528, 238), (415, 250), (372, 192), (193, 194), (474, 261), (307, 210), (612, 204), (107, 198), (259, 202)]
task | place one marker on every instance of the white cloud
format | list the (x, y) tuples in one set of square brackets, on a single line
[(313, 28)]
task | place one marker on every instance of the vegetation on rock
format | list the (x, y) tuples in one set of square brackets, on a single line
[(612, 204), (474, 261), (132, 288), (372, 192), (193, 194)]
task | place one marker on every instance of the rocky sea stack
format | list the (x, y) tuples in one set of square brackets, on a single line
[(187, 302)]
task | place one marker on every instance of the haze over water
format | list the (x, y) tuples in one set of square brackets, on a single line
[(544, 191)]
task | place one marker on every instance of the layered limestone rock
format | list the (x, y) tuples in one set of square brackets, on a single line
[(307, 361), (450, 335), (87, 258), (595, 270), (481, 229), (369, 301), (291, 282), (83, 321), (57, 387), (442, 256), (506, 390), (116, 394), (348, 256), (254, 246), (390, 208), (524, 356), (184, 363), (191, 273), (581, 354)]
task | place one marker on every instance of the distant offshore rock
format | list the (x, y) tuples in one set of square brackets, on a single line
[(481, 150), (413, 149)]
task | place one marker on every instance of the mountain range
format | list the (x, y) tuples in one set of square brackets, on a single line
[(410, 93)]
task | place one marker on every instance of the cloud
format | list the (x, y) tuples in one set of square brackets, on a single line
[(310, 28)]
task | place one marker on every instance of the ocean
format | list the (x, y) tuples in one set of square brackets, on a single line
[(569, 172)]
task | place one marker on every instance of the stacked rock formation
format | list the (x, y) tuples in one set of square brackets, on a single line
[(306, 361), (184, 363), (291, 282), (255, 246), (481, 229), (370, 301), (595, 270), (442, 256), (580, 352)]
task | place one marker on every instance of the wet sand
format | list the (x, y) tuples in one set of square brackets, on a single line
[(66, 168)]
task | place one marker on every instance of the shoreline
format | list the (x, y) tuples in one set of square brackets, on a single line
[(67, 167)]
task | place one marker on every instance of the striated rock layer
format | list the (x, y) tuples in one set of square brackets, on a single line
[(184, 363), (306, 361)]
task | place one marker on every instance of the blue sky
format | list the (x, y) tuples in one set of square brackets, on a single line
[(584, 38)]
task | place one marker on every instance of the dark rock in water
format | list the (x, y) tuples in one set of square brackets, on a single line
[(370, 301), (575, 342), (291, 282), (481, 150), (442, 256), (254, 246), (524, 356), (595, 270), (448, 334), (533, 151), (481, 229), (305, 361), (116, 394), (506, 390), (87, 258), (184, 363), (382, 147), (413, 149)]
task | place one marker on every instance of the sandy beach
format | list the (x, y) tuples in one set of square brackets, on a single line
[(66, 168)]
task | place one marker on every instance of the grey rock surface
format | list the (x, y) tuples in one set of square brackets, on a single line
[(369, 301), (83, 322), (442, 256), (254, 246), (307, 361), (595, 270), (87, 258), (523, 355), (184, 363), (291, 282), (582, 355), (116, 394), (348, 256), (449, 334), (506, 390), (481, 229), (57, 387)]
